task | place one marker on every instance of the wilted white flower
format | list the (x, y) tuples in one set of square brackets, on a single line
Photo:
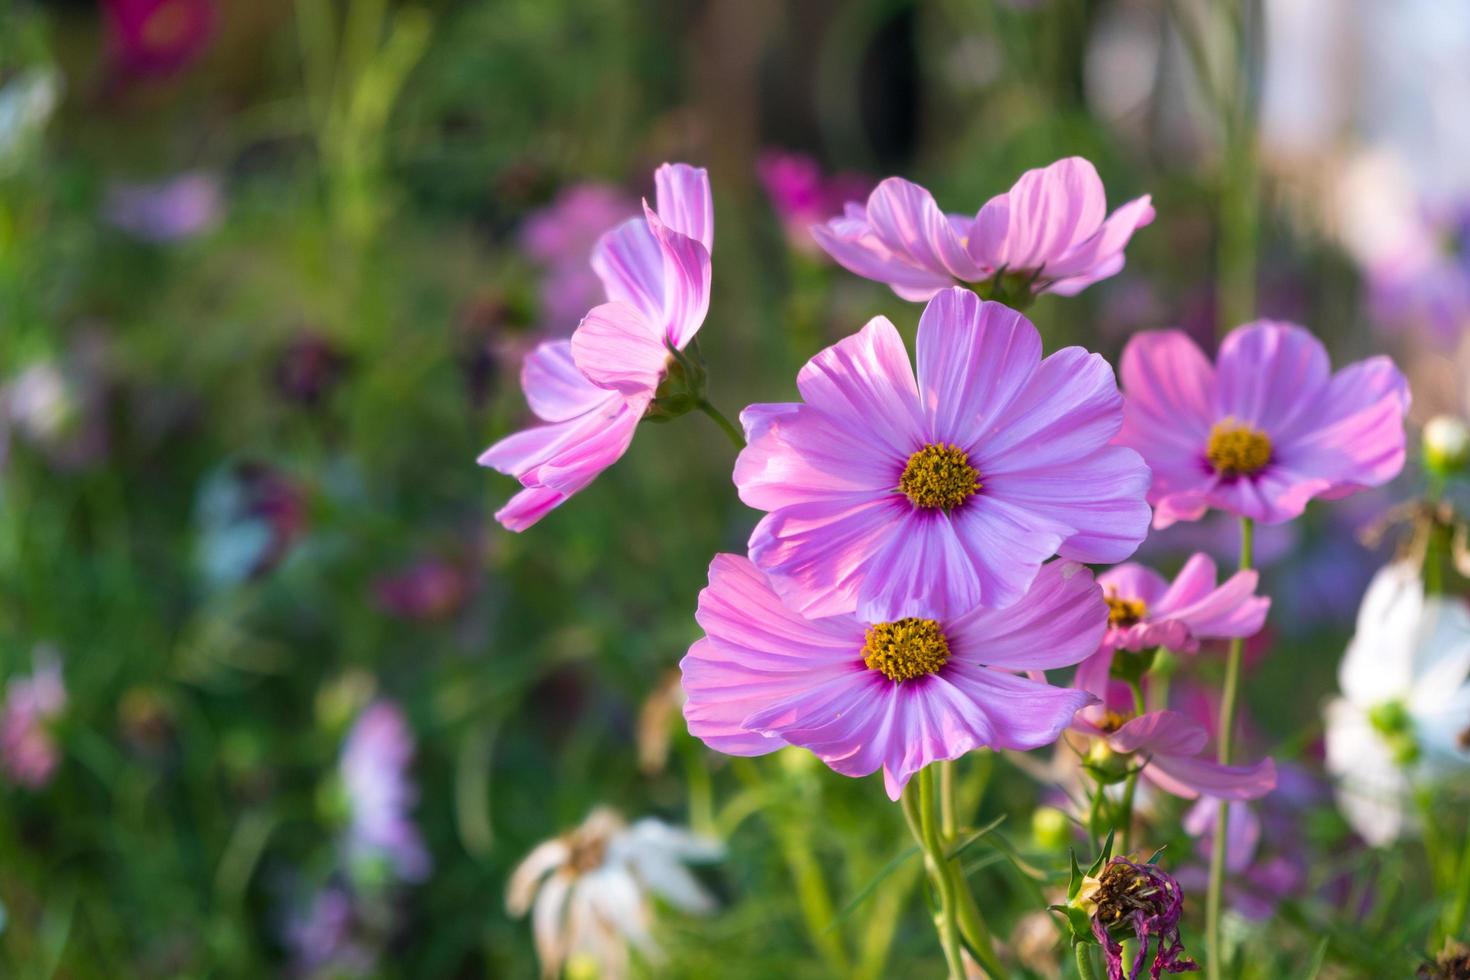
[(590, 890), (1404, 717)]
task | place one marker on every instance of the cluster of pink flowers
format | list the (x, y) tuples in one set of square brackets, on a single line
[(920, 562), (29, 753)]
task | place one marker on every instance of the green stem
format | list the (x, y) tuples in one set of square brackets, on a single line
[(1084, 961), (1461, 907), (935, 860), (948, 817), (1214, 897), (729, 428)]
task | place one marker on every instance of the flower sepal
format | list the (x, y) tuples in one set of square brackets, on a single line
[(1081, 886), (682, 388)]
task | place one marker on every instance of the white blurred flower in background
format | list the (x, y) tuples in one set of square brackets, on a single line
[(590, 890), (1403, 721)]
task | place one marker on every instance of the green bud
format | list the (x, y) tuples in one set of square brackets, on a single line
[(1050, 828), (1446, 442)]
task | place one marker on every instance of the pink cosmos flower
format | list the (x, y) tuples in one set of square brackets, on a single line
[(1170, 744), (802, 195), (1145, 611), (170, 210), (593, 390), (864, 695), (901, 498), (561, 237), (1265, 429), (28, 750), (1050, 232), (158, 37)]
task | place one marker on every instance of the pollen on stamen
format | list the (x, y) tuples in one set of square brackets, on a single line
[(906, 649), (939, 476), (1237, 449), (1124, 612)]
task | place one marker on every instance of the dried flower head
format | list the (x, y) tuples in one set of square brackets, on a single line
[(1142, 899)]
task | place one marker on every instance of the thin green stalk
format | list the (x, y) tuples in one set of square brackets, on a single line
[(948, 817), (1084, 961), (728, 427), (946, 922), (1461, 906), (1130, 787), (1214, 897)]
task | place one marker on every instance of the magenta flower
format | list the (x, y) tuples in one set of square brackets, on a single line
[(1143, 900), (864, 695), (897, 498), (158, 37), (1170, 746), (802, 195), (380, 793), (1049, 233), (28, 750), (593, 390), (1145, 611), (1265, 429), (561, 237), (430, 588)]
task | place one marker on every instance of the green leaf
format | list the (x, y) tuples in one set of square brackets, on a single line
[(1317, 958), (868, 889), (959, 848)]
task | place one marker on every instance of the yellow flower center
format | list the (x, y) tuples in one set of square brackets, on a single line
[(906, 649), (1124, 612), (1236, 449), (939, 475)]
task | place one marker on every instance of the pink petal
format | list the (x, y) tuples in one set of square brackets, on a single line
[(1101, 255), (1168, 411), (1356, 435), (555, 389), (974, 359), (1242, 837), (905, 218), (1232, 610), (1045, 213), (1161, 733), (1022, 713), (1006, 545), (796, 453), (851, 241), (1270, 375), (1134, 581), (684, 202), (1070, 406), (630, 263), (686, 282), (616, 347), (817, 553), (528, 506), (923, 570), (865, 382), (1058, 623), (1190, 777)]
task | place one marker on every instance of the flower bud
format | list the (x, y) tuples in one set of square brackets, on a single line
[(1446, 445), (1050, 828)]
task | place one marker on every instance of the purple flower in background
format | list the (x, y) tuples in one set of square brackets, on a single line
[(1143, 900), (864, 695), (1264, 430), (249, 515), (158, 37), (560, 238), (380, 795), (1255, 884), (803, 196), (322, 937), (1424, 283), (28, 751), (1049, 233), (60, 405), (431, 588), (309, 368), (593, 390), (167, 210), (1146, 611), (902, 498)]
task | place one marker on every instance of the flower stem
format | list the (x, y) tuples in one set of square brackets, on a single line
[(1461, 905), (1084, 962), (1214, 897), (946, 921), (729, 428)]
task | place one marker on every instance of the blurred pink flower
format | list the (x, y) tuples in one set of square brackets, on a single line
[(802, 195), (430, 588), (158, 37), (322, 937), (380, 794), (28, 751), (898, 498), (167, 210), (561, 237), (593, 390), (1424, 283), (865, 695), (1049, 233), (1168, 743), (1146, 611), (309, 368), (1265, 430)]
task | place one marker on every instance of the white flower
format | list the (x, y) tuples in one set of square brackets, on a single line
[(1404, 718), (589, 891)]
